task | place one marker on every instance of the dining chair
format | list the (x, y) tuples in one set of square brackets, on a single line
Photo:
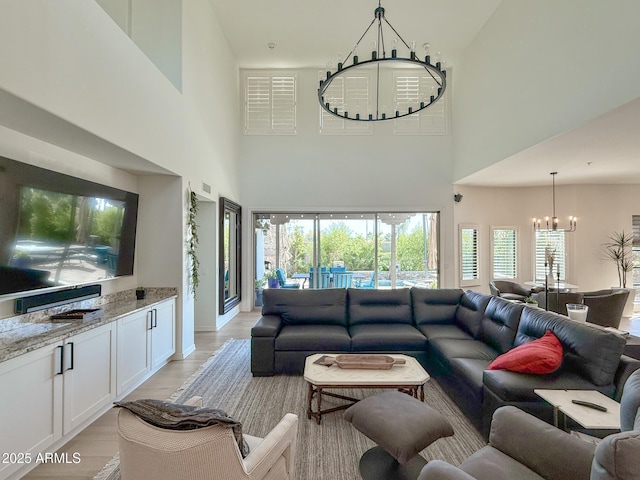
[(282, 280), (318, 278), (369, 284), (342, 279)]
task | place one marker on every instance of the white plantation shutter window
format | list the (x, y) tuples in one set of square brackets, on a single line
[(556, 241), (469, 257), (270, 103), (411, 89), (356, 89), (504, 249)]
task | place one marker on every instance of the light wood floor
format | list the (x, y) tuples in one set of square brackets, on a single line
[(98, 443)]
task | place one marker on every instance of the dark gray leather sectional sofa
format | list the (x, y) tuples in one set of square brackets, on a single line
[(454, 334)]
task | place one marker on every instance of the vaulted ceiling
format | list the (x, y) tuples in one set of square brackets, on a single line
[(311, 34)]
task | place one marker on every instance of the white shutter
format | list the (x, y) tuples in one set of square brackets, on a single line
[(411, 89), (270, 103), (469, 257), (556, 241), (355, 88), (505, 253)]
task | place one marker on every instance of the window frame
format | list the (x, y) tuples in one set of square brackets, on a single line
[(516, 234), (539, 255), (331, 125), (430, 121), (475, 280), (290, 110)]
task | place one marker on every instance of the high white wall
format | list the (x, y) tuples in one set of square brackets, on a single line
[(538, 69), (601, 210), (68, 68), (309, 172)]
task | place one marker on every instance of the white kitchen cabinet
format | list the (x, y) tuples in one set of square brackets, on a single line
[(133, 360), (146, 341), (51, 391), (163, 333), (89, 375), (30, 406)]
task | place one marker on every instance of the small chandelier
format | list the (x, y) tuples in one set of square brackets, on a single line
[(538, 226), (380, 66)]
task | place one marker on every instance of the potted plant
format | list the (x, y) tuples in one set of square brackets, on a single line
[(259, 288), (619, 250), (141, 293), (530, 302), (272, 279)]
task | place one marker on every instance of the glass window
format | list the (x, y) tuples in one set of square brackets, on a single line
[(269, 103), (550, 254), (356, 89), (469, 258), (410, 90), (504, 251)]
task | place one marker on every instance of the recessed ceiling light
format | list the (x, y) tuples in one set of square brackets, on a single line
[(271, 45)]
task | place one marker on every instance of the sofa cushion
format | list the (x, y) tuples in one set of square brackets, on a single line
[(469, 313), (321, 338), (379, 306), (543, 355), (491, 463), (435, 306), (500, 324), (590, 350), (402, 425), (450, 348), (390, 337), (518, 387), (443, 331), (304, 307)]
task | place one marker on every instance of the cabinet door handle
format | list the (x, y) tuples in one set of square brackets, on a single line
[(150, 317), (154, 313), (70, 367), (61, 364)]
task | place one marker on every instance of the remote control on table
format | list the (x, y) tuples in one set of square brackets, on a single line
[(595, 406)]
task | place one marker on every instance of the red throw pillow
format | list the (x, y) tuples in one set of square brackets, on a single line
[(543, 355)]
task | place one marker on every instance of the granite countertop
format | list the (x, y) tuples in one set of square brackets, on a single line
[(23, 334)]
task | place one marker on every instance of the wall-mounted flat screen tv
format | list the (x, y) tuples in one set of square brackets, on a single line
[(58, 230)]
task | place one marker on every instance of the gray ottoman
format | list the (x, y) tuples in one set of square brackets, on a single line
[(402, 426)]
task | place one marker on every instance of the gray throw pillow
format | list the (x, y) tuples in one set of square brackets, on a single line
[(402, 425)]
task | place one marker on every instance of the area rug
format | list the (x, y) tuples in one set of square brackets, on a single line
[(329, 451)]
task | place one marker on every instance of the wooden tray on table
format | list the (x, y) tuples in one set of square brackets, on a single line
[(364, 362)]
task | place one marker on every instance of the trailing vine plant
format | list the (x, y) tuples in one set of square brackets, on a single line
[(192, 230)]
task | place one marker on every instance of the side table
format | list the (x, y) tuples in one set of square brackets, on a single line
[(588, 418)]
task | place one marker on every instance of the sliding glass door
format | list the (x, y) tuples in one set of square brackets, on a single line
[(381, 250)]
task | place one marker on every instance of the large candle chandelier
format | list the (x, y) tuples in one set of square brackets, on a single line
[(552, 224), (379, 66)]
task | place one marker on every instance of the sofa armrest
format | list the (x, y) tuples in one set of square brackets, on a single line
[(267, 326), (627, 366), (281, 441), (545, 449), (439, 470)]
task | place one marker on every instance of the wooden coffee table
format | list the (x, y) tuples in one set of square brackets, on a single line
[(409, 378)]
